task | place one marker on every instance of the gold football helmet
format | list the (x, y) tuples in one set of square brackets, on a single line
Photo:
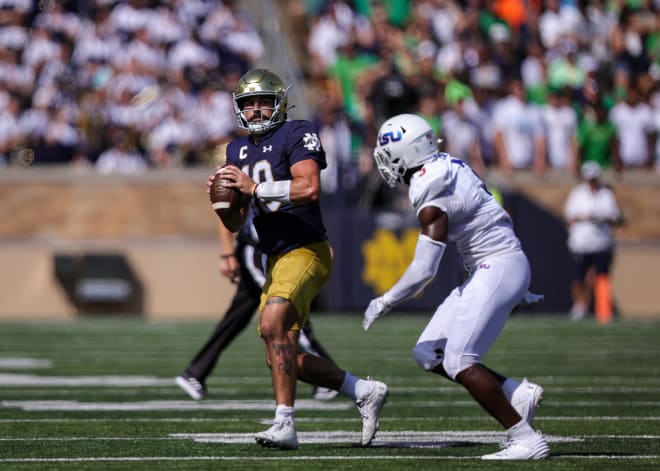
[(260, 82)]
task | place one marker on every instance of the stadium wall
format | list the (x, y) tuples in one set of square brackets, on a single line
[(162, 225)]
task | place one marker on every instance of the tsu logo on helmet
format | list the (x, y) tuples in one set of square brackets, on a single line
[(389, 136)]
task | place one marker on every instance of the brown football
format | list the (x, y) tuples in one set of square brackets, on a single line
[(229, 204)]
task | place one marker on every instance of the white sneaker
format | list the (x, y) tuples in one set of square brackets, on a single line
[(533, 447), (192, 386), (324, 394), (369, 409), (526, 398), (281, 435), (578, 312)]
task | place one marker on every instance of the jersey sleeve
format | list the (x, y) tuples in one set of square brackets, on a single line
[(431, 186), (304, 143), (231, 153)]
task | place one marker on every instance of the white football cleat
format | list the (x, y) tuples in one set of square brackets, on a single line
[(369, 409), (192, 386), (526, 398), (282, 435), (531, 447)]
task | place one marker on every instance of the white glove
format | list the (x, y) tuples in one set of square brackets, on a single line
[(531, 298), (376, 308)]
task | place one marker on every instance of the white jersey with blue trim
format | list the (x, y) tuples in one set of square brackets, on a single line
[(478, 225)]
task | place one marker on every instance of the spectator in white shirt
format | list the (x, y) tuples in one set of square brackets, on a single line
[(121, 158), (164, 29), (519, 140), (190, 53), (14, 12), (13, 37), (462, 135), (148, 58), (175, 140), (128, 16), (590, 211), (560, 126), (559, 20), (10, 134), (14, 76), (328, 33), (213, 114), (57, 20), (635, 130), (233, 33)]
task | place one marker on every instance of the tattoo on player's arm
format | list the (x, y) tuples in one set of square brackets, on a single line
[(276, 300)]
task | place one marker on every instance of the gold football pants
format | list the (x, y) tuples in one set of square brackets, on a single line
[(298, 276)]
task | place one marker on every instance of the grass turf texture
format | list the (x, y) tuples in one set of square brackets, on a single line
[(102, 396)]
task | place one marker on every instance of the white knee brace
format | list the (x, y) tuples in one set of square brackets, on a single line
[(426, 356)]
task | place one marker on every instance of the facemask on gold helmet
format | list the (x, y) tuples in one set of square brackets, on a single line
[(264, 83)]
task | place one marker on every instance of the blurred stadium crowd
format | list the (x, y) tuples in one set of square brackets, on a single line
[(518, 85)]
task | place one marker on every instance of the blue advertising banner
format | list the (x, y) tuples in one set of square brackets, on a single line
[(372, 250)]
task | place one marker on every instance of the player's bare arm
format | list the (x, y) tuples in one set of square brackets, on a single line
[(229, 265), (306, 182), (434, 223), (304, 187)]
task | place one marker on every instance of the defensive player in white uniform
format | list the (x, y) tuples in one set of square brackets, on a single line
[(453, 204)]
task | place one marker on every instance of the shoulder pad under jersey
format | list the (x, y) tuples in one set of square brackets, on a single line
[(432, 181)]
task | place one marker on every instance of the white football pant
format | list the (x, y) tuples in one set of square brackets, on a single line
[(470, 319)]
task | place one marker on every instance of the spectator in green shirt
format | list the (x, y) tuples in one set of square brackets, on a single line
[(597, 141)]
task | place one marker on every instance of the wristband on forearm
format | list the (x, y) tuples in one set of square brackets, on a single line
[(274, 191)]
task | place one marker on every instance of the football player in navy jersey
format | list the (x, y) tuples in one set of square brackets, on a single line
[(279, 165)]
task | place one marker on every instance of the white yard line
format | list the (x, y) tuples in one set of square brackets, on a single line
[(555, 383), (26, 380), (401, 439), (555, 402), (302, 404), (265, 405), (22, 363), (294, 457), (477, 418), (549, 388), (135, 386)]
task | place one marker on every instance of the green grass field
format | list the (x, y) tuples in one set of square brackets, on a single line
[(99, 393)]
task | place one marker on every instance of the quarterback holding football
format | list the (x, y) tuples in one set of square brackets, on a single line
[(278, 164)]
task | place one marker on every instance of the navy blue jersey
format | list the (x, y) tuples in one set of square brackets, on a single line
[(281, 227)]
